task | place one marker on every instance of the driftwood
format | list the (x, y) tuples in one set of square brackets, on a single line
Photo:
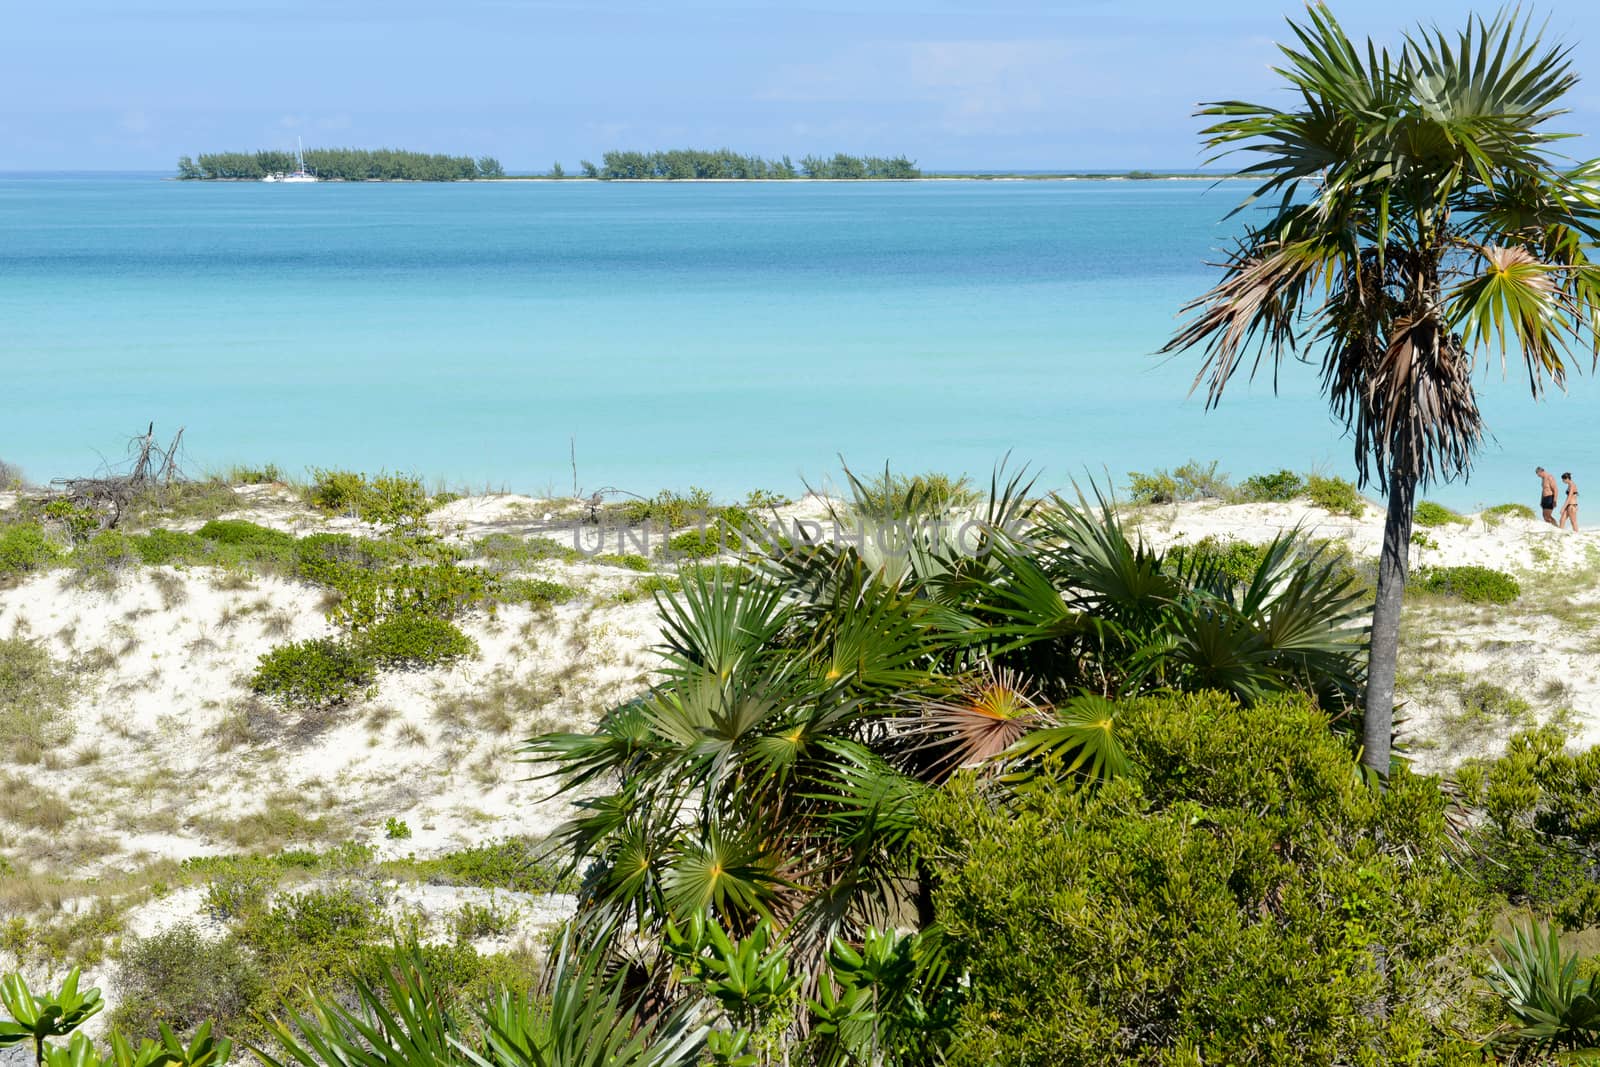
[(151, 468)]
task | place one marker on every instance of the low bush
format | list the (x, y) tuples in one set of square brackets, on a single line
[(412, 642), (99, 560), (514, 863), (396, 500), (704, 543), (1474, 584), (1427, 513), (628, 560), (1500, 512), (533, 591), (312, 674), (78, 521), (35, 691), (1335, 495), (1192, 481), (244, 533), (669, 509), (898, 496), (25, 548), (1274, 488), (437, 590), (11, 477), (331, 558), (255, 475), (167, 547), (1239, 560), (180, 978), (1221, 905), (1538, 843), (508, 552)]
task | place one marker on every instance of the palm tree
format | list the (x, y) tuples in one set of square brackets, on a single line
[(1418, 221)]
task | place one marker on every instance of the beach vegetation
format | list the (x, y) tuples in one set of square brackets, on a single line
[(1412, 171), (318, 673), (267, 474), (889, 496), (180, 978), (410, 641), (1157, 885), (1500, 512), (1192, 481), (396, 829), (11, 477), (393, 500), (534, 592), (631, 561), (1276, 488), (1469, 582), (100, 561), (1430, 514), (26, 548), (36, 692), (1338, 496)]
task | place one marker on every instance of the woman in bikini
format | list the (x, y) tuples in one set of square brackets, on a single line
[(1569, 507)]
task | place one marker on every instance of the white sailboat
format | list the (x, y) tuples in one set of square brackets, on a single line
[(300, 174)]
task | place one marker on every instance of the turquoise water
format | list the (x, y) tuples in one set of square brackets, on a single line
[(729, 336)]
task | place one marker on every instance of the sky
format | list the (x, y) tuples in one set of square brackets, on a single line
[(953, 84)]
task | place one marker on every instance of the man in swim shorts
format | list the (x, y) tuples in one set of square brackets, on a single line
[(1547, 495)]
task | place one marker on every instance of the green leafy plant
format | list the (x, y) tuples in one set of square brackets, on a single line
[(1274, 488), (1192, 481), (1500, 512), (1474, 584), (317, 673), (396, 829), (411, 642), (24, 548), (37, 1018), (1427, 513), (180, 979), (1336, 495)]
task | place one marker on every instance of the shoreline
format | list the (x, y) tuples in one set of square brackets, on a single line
[(522, 179)]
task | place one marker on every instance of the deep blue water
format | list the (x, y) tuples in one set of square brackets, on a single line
[(724, 335)]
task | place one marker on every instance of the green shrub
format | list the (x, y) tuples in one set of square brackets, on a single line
[(98, 560), (243, 533), (1239, 560), (437, 590), (669, 509), (1222, 905), (1275, 488), (1474, 584), (703, 543), (510, 552), (79, 521), (1538, 843), (1500, 512), (397, 500), (180, 978), (255, 475), (411, 642), (331, 558), (1335, 495), (629, 560), (336, 491), (35, 691), (898, 496), (166, 547), (1427, 513), (1192, 481), (533, 591), (313, 674), (24, 548), (396, 829), (513, 863)]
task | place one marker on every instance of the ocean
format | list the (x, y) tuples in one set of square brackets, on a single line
[(729, 336)]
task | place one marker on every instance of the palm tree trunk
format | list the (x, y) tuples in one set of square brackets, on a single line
[(1393, 566)]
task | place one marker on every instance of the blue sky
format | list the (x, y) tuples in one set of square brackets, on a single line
[(126, 84)]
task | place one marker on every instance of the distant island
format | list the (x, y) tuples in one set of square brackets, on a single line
[(341, 164), (693, 163)]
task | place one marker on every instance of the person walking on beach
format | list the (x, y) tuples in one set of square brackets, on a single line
[(1569, 507), (1547, 495)]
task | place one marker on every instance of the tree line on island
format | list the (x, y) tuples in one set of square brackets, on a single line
[(691, 163), (343, 164), (388, 164)]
